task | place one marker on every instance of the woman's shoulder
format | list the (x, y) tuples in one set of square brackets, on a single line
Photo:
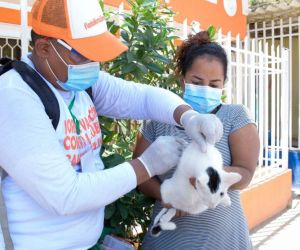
[(234, 107), (235, 110), (235, 116)]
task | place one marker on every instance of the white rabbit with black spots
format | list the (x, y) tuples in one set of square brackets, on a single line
[(198, 183)]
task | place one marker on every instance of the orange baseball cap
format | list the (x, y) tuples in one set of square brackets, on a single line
[(80, 23)]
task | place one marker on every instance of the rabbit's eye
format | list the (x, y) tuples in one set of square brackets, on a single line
[(222, 194)]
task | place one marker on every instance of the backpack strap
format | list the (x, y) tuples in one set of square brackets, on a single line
[(6, 62), (90, 93), (39, 86), (3, 217)]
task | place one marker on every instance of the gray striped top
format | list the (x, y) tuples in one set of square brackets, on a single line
[(222, 228)]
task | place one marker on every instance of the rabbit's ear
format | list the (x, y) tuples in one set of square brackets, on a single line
[(232, 178), (199, 183), (193, 182)]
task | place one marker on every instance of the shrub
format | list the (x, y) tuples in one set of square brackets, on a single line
[(149, 60)]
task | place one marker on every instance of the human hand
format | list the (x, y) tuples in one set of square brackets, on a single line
[(162, 155), (202, 128)]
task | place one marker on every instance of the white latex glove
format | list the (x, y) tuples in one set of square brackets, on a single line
[(162, 155), (202, 128)]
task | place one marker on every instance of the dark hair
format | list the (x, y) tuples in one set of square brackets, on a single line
[(196, 46), (35, 36)]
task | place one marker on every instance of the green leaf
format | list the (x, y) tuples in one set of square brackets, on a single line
[(148, 3), (101, 4), (125, 35), (211, 32), (123, 211), (109, 211), (155, 68), (130, 57), (162, 58), (113, 160), (142, 67), (114, 29), (128, 68)]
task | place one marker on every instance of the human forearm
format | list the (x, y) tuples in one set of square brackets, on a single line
[(179, 112), (244, 172), (140, 171), (151, 188), (244, 148), (62, 191)]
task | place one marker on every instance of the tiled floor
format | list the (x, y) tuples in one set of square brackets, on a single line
[(280, 233)]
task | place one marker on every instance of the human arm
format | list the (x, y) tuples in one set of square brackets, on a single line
[(244, 148), (151, 187), (34, 158), (243, 142), (118, 98)]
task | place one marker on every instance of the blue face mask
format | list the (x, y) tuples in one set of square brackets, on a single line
[(80, 77), (203, 99)]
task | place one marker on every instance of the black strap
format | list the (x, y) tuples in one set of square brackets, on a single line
[(216, 109), (6, 62), (90, 93), (38, 85)]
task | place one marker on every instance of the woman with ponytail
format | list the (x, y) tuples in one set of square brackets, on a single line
[(202, 68)]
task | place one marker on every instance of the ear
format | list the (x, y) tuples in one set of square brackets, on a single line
[(201, 183), (232, 178), (198, 183), (42, 47), (193, 182)]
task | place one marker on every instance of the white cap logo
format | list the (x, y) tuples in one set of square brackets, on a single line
[(94, 22), (86, 18)]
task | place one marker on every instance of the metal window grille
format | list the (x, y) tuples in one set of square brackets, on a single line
[(285, 32), (11, 47)]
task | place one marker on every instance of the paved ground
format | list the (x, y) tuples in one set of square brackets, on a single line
[(281, 232)]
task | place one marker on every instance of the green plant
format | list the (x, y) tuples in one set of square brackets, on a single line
[(149, 38), (263, 2), (146, 32), (253, 2), (133, 209)]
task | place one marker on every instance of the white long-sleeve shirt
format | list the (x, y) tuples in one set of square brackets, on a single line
[(51, 201)]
